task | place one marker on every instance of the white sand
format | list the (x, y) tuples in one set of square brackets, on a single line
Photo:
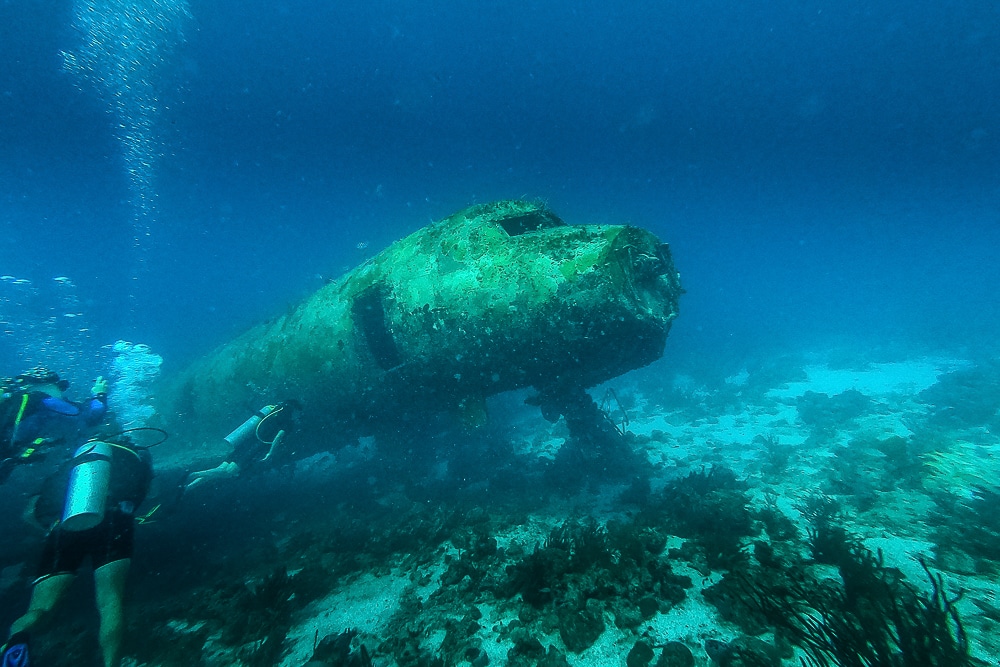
[(901, 377), (365, 604)]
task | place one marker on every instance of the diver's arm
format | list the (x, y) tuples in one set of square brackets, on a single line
[(97, 404), (275, 445), (61, 406), (29, 517), (91, 412), (97, 407)]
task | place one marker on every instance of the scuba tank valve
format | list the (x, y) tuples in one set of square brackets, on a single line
[(87, 492)]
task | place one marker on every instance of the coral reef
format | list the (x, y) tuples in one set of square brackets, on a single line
[(649, 547), (712, 508), (777, 455), (965, 398), (871, 616), (970, 526), (585, 569), (829, 413), (339, 650)]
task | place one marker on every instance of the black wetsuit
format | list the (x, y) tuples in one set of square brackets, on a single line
[(110, 540), (32, 420)]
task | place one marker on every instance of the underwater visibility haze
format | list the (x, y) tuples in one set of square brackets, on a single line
[(188, 188)]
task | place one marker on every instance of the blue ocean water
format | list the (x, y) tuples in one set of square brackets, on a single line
[(824, 172), (827, 176)]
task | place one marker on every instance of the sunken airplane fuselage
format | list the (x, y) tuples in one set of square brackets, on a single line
[(496, 297)]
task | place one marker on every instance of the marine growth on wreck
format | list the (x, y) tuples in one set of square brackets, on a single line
[(496, 297)]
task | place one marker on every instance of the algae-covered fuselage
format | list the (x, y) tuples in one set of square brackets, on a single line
[(496, 297)]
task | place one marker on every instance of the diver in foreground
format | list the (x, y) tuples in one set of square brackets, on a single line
[(87, 508), (257, 443)]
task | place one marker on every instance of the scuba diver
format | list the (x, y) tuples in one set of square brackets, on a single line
[(256, 443), (35, 414), (87, 508)]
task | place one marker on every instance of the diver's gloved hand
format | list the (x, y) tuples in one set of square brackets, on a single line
[(100, 386), (224, 470)]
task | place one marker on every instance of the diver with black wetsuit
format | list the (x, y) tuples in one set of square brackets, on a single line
[(88, 508), (257, 443)]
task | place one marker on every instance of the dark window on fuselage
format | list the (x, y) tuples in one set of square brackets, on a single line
[(369, 316), (530, 222)]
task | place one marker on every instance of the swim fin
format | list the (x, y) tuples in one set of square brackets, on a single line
[(15, 653)]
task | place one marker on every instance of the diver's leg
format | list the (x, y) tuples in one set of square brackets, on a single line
[(44, 597), (109, 584), (224, 470)]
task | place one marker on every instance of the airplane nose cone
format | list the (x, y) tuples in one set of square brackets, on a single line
[(648, 273)]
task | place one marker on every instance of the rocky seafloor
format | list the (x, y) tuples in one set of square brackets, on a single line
[(801, 511)]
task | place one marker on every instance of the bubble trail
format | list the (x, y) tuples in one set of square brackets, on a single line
[(124, 45)]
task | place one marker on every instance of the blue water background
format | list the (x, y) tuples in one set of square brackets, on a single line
[(827, 173)]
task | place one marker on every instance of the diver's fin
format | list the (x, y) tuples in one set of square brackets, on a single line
[(15, 653)]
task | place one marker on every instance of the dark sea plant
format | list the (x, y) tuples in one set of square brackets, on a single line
[(872, 617), (965, 398), (777, 456), (585, 571), (829, 413), (969, 525), (713, 509)]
